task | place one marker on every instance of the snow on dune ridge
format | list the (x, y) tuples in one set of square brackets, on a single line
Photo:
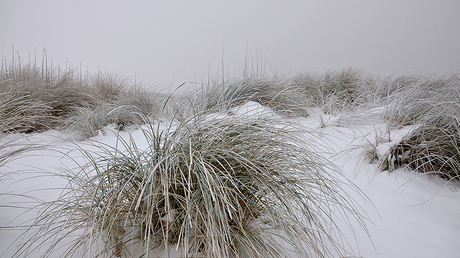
[(407, 213)]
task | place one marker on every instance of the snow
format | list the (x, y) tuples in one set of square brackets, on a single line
[(408, 214)]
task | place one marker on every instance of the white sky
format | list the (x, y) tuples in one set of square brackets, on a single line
[(158, 40)]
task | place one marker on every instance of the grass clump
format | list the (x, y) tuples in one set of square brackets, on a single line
[(41, 97), (432, 106), (283, 97), (229, 187), (21, 114), (333, 91), (136, 106), (432, 147), (418, 99)]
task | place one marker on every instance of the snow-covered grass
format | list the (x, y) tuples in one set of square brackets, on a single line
[(134, 107), (228, 173), (419, 99), (36, 98), (431, 147), (218, 187), (281, 95), (333, 91)]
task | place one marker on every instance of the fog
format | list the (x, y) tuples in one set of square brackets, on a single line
[(166, 42)]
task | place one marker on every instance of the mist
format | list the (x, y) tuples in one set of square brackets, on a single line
[(165, 43)]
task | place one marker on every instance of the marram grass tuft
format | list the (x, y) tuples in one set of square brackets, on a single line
[(231, 187)]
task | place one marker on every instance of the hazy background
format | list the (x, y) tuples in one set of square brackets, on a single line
[(167, 42)]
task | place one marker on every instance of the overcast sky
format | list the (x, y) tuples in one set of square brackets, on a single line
[(168, 41)]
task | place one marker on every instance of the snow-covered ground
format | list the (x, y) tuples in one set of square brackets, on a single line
[(408, 214)]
